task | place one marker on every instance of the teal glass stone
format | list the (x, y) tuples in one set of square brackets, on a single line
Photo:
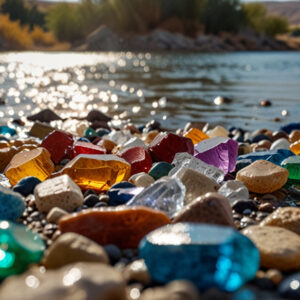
[(208, 255), (7, 130), (160, 169), (90, 132), (292, 164), (19, 247), (12, 204)]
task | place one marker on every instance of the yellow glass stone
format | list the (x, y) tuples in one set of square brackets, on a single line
[(196, 135), (35, 163), (295, 147), (98, 172)]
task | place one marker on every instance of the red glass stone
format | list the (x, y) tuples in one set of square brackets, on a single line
[(166, 145), (87, 148), (58, 143), (139, 158)]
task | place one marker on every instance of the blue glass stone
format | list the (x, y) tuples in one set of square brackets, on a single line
[(26, 185), (121, 193), (290, 127), (208, 255), (12, 204), (160, 169), (273, 156), (242, 163), (102, 131), (289, 288), (7, 130), (84, 139)]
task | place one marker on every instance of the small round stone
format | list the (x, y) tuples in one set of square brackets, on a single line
[(114, 253), (26, 185), (91, 200)]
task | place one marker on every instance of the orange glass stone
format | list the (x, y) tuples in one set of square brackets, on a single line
[(4, 144), (107, 144), (6, 154), (196, 135), (35, 163), (294, 136), (122, 226), (295, 147), (98, 172)]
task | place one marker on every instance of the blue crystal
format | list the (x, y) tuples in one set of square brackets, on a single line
[(273, 156), (208, 255), (12, 204), (166, 194), (290, 127), (26, 185), (7, 130), (289, 288), (121, 193)]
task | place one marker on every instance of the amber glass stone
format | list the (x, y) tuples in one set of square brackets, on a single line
[(98, 172), (123, 226), (6, 154), (35, 163), (295, 147), (196, 135)]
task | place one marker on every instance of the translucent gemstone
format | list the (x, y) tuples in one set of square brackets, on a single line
[(122, 226), (7, 130), (295, 147), (274, 156), (234, 190), (220, 152), (6, 154), (90, 132), (19, 248), (58, 143), (196, 135), (139, 159), (35, 163), (119, 137), (188, 161), (160, 169), (98, 172), (87, 148), (292, 164), (12, 205), (207, 255), (134, 142), (166, 145), (166, 195)]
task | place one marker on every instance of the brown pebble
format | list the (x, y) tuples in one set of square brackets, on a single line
[(266, 207), (265, 103), (276, 135), (265, 144), (274, 275), (294, 136)]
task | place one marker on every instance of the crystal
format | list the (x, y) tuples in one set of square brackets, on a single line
[(98, 172), (121, 193), (196, 135), (19, 248), (119, 137), (234, 190), (87, 148), (7, 130), (122, 226), (139, 159), (166, 145), (292, 164), (208, 255), (35, 163), (59, 192), (220, 152), (274, 156), (58, 143), (6, 154), (12, 205), (295, 147), (134, 142), (166, 194), (26, 185), (160, 169)]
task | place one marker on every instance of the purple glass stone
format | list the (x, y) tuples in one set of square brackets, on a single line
[(220, 152)]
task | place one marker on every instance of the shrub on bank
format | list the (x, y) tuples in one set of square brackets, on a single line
[(42, 38)]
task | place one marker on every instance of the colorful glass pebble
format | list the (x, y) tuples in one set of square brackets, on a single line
[(196, 135), (166, 145), (35, 163), (160, 169), (295, 147), (19, 247), (220, 152), (87, 148), (139, 159), (7, 130), (98, 172), (122, 226), (58, 143), (208, 255), (292, 164), (6, 154)]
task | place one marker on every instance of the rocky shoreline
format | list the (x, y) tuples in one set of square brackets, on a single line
[(104, 39)]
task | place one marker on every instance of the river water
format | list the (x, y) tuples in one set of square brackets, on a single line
[(171, 88)]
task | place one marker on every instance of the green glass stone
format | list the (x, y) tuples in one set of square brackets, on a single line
[(19, 247), (90, 132), (292, 164), (160, 169)]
